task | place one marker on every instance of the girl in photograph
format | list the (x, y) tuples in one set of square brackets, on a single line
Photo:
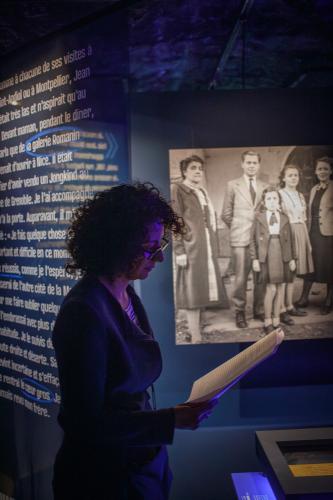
[(321, 234), (198, 279), (294, 205), (273, 254)]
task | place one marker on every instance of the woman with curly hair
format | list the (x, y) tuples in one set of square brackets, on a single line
[(114, 442)]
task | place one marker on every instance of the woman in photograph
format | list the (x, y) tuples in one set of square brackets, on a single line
[(198, 278), (273, 254), (321, 234), (294, 205), (114, 441)]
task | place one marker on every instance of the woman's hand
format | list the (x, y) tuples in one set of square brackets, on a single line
[(256, 265), (190, 415), (292, 265), (181, 260)]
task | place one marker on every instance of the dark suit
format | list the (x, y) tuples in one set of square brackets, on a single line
[(111, 435), (238, 214)]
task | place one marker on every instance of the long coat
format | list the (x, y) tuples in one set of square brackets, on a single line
[(192, 286), (238, 210), (325, 210), (106, 363)]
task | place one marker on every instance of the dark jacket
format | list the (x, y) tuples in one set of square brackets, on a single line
[(325, 210), (106, 363), (260, 238)]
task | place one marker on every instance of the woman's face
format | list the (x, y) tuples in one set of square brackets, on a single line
[(194, 172), (143, 264), (272, 201), (323, 171), (291, 177)]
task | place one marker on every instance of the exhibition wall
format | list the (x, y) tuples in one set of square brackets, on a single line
[(64, 126), (64, 137)]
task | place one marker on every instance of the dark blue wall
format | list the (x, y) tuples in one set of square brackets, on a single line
[(295, 388)]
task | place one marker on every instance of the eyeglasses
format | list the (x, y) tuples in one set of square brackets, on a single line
[(153, 253)]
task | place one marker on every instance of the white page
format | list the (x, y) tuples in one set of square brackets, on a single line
[(217, 381)]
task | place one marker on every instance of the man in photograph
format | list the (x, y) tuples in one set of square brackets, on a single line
[(242, 198)]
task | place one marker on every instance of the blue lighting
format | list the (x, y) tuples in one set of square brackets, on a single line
[(11, 276), (252, 486)]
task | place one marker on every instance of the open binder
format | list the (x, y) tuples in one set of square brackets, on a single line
[(218, 381)]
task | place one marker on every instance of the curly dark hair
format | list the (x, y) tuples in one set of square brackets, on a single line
[(107, 232)]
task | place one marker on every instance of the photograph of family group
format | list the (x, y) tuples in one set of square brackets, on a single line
[(257, 248)]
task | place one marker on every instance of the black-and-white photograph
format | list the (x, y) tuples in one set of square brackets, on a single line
[(256, 252)]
